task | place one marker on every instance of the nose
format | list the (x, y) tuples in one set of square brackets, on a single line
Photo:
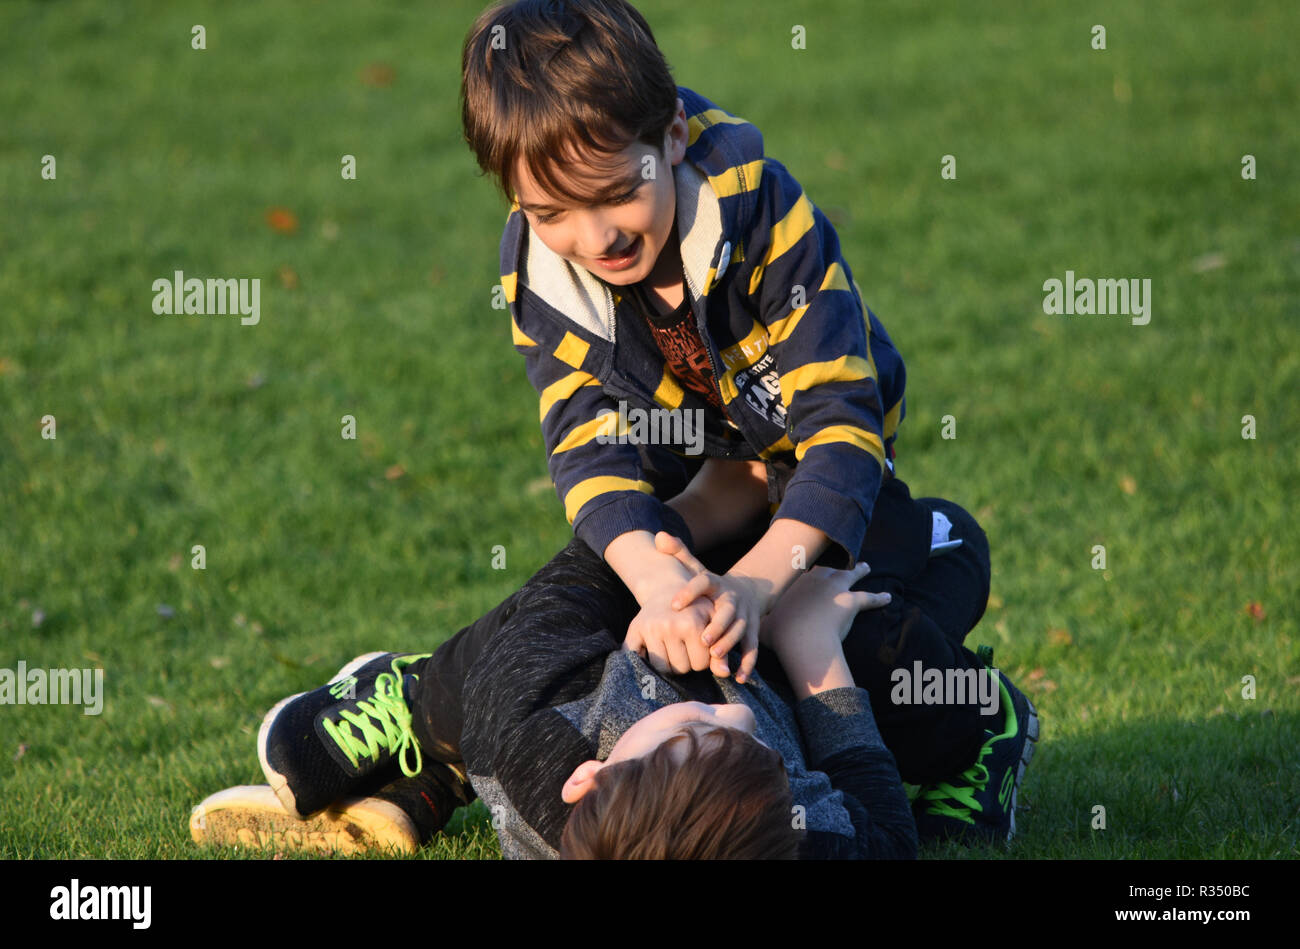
[(600, 238), (737, 716)]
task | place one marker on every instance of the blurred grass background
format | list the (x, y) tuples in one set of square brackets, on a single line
[(376, 303)]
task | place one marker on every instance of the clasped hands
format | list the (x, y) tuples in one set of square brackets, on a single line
[(695, 622)]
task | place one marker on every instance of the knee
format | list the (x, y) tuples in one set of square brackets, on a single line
[(964, 524)]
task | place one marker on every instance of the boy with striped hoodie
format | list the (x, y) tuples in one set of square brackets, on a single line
[(659, 267)]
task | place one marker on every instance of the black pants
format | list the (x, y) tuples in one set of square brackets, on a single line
[(935, 602)]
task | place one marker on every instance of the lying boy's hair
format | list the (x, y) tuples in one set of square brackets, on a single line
[(729, 800), (541, 78)]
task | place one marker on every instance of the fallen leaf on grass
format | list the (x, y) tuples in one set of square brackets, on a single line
[(394, 472), (282, 221), (158, 702), (378, 75), (288, 277), (1059, 637), (1255, 611), (22, 750), (1128, 485), (1037, 682)]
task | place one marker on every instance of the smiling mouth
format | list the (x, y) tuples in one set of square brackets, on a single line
[(622, 255)]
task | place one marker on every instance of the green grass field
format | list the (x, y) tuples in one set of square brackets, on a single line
[(1071, 432)]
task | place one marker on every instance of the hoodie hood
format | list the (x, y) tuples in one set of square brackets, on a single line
[(717, 184)]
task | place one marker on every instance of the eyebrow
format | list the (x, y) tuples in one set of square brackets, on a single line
[(619, 188)]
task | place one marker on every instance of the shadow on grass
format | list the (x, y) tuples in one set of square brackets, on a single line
[(1224, 787)]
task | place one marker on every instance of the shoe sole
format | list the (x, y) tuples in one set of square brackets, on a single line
[(252, 816), (1031, 737), (277, 781)]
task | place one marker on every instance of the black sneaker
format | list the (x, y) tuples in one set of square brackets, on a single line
[(320, 746), (397, 818), (979, 805)]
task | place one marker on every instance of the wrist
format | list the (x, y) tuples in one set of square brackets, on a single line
[(659, 577), (645, 571), (764, 590), (812, 673)]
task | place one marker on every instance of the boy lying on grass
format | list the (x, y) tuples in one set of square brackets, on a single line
[(578, 746)]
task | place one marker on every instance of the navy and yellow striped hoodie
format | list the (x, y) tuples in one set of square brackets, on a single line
[(809, 377)]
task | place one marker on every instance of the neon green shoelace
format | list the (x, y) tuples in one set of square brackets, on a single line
[(975, 778), (940, 798), (393, 733)]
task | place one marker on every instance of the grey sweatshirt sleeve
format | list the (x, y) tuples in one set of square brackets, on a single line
[(841, 738)]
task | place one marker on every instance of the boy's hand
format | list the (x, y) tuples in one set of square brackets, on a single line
[(808, 626), (821, 604), (737, 609), (670, 639)]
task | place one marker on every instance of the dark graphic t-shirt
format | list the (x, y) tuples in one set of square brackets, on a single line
[(679, 340)]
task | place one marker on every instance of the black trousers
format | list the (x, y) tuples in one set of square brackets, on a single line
[(936, 601)]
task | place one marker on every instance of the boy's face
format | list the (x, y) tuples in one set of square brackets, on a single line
[(620, 237), (655, 729)]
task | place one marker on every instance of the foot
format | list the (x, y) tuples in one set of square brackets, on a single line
[(320, 746), (396, 819), (979, 805)]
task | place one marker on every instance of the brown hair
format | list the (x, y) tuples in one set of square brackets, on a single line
[(729, 800), (542, 80)]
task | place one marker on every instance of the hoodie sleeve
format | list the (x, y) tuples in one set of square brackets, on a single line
[(830, 352), (551, 650), (602, 484), (841, 739)]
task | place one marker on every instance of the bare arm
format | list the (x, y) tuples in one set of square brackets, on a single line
[(722, 499)]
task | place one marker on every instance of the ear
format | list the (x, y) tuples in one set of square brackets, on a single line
[(580, 781), (679, 133)]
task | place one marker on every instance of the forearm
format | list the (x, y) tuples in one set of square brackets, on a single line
[(787, 549), (811, 672), (722, 499)]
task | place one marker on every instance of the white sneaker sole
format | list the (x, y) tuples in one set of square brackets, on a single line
[(251, 816), (1031, 737)]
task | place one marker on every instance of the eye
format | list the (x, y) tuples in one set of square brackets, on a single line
[(546, 218), (627, 198)]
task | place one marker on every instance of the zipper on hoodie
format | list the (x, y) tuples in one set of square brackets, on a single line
[(702, 329)]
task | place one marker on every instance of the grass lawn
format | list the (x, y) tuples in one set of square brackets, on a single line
[(1072, 432)]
